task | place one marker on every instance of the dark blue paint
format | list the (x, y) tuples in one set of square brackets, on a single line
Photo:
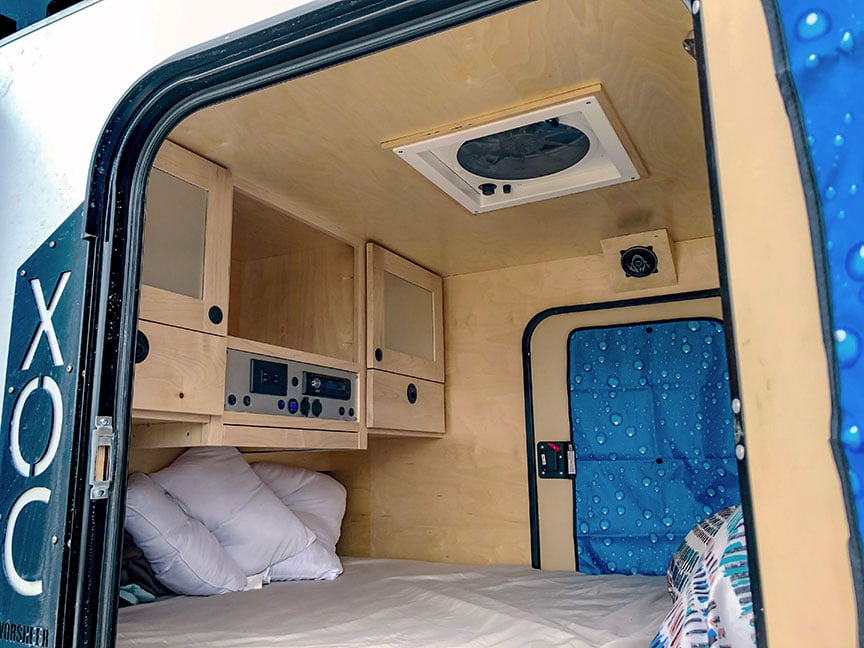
[(35, 555), (652, 425)]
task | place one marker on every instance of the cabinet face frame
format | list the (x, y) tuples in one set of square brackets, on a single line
[(380, 261), (167, 307)]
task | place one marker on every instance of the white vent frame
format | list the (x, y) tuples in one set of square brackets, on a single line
[(607, 163)]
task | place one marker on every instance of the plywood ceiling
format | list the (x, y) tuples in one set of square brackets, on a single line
[(316, 141)]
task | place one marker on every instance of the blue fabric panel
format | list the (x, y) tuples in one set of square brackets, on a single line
[(652, 428), (825, 46)]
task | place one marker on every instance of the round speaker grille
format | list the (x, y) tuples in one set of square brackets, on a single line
[(638, 261), (526, 152)]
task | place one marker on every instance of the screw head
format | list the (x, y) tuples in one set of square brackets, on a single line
[(23, 273), (68, 368), (11, 390), (54, 539), (52, 244)]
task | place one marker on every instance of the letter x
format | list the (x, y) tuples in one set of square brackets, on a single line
[(46, 326)]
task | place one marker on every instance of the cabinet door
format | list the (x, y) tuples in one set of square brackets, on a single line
[(187, 242), (183, 372), (403, 404), (405, 319)]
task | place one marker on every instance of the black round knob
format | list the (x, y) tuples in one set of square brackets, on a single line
[(215, 314), (232, 399), (142, 347), (247, 401), (487, 188), (316, 407), (411, 393), (379, 355)]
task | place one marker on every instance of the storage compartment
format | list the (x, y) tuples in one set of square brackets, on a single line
[(187, 239), (183, 372), (292, 285), (404, 404), (405, 318)]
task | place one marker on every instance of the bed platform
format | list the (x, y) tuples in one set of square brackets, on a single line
[(383, 602)]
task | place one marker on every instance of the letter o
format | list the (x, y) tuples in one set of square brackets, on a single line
[(25, 469)]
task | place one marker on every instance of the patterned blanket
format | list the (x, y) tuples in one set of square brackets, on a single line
[(709, 582)]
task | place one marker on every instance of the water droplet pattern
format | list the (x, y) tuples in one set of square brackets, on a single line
[(660, 452), (833, 31)]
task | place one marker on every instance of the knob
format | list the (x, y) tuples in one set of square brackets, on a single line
[(142, 347), (315, 383), (316, 407), (411, 393), (215, 314)]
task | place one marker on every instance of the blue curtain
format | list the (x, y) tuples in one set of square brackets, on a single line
[(824, 48), (651, 424)]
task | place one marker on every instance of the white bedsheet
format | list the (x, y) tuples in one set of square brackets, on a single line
[(384, 603)]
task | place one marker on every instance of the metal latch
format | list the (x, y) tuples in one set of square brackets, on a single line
[(101, 457)]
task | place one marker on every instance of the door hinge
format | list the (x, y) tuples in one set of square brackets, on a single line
[(101, 457)]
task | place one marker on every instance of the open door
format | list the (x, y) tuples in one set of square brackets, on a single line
[(56, 461)]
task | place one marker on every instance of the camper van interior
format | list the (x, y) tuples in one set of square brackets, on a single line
[(474, 280)]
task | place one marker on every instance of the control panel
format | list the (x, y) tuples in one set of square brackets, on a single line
[(265, 385)]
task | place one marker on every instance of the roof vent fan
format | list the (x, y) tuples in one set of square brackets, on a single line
[(544, 152)]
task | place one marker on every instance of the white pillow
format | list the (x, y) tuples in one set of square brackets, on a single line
[(216, 486), (184, 555), (318, 497), (319, 501)]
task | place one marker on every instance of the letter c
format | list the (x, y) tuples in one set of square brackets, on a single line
[(19, 584)]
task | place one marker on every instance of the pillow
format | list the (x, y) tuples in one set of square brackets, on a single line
[(216, 486), (714, 605), (319, 497), (319, 501), (692, 549), (184, 555)]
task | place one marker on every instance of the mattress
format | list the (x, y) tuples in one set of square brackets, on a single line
[(384, 603)]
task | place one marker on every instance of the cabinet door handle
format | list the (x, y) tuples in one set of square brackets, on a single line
[(379, 355), (215, 314), (411, 393), (142, 347)]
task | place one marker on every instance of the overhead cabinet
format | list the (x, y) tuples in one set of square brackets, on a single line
[(187, 242), (180, 356), (405, 346)]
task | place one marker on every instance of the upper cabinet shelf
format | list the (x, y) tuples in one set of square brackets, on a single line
[(187, 242), (405, 319)]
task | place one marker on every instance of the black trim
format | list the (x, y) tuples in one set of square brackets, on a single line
[(792, 103), (535, 321), (281, 49)]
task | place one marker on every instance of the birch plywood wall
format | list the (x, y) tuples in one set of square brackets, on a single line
[(464, 498), (317, 141)]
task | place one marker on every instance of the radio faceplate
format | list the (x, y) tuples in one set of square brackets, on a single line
[(261, 384)]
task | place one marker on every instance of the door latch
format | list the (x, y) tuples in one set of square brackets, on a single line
[(101, 457)]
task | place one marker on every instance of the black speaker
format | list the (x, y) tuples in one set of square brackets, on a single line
[(639, 261)]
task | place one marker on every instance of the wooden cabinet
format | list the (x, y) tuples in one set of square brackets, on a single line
[(404, 316), (187, 242), (183, 371), (405, 346), (183, 317), (404, 404)]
